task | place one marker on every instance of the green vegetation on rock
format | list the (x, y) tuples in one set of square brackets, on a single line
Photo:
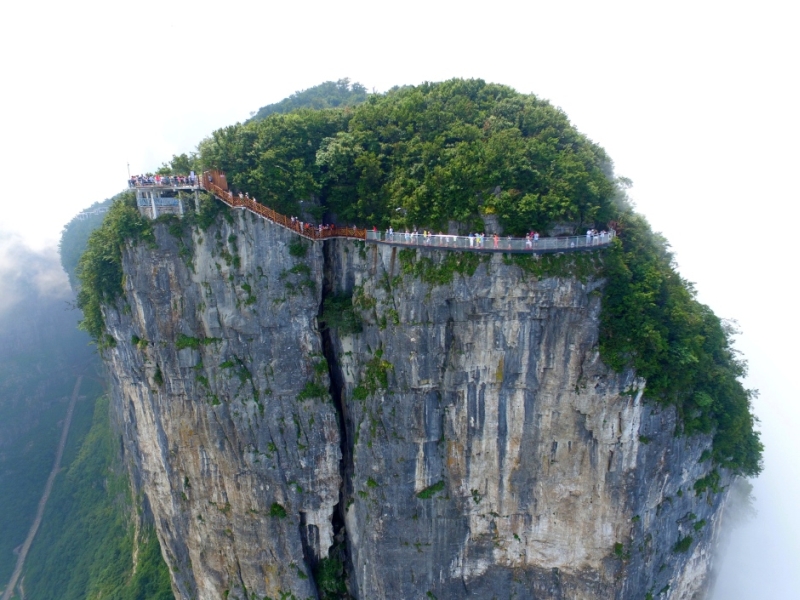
[(683, 544), (331, 578), (376, 376), (100, 267), (580, 265), (338, 313), (651, 321), (277, 510), (431, 490), (312, 389), (185, 341), (440, 273)]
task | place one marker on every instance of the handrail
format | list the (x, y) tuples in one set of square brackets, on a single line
[(452, 242), (491, 243), (308, 231)]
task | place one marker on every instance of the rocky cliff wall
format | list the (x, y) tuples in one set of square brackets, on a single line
[(466, 442)]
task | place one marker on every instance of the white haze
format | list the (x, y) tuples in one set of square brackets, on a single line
[(29, 274), (695, 101)]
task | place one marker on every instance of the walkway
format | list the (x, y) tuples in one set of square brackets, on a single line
[(215, 183), (490, 243), (47, 489), (308, 230)]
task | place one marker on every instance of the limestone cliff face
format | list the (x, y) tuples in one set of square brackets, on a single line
[(467, 442)]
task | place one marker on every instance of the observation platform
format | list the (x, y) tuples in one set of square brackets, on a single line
[(162, 196), (166, 197)]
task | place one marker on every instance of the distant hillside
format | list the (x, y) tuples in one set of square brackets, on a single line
[(89, 542), (41, 354), (85, 544), (330, 94), (76, 233)]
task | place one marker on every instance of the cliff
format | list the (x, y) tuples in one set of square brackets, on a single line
[(451, 433)]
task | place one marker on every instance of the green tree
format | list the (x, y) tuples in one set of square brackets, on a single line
[(652, 322), (423, 156)]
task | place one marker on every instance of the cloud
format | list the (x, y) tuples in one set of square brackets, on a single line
[(29, 275)]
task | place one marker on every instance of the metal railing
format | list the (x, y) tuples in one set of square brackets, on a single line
[(166, 183), (307, 230), (490, 243), (475, 243), (158, 201), (82, 216)]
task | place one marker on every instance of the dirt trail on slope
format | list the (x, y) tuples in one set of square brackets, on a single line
[(47, 489)]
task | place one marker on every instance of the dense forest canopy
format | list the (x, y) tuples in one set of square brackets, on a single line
[(423, 156), (457, 151)]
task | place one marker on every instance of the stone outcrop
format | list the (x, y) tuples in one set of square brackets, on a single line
[(463, 439)]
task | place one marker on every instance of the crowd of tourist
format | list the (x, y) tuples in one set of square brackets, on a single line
[(596, 237), (162, 180), (531, 241), (480, 240), (299, 225)]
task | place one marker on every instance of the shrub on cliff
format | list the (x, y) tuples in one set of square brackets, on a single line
[(651, 321), (100, 267), (338, 313)]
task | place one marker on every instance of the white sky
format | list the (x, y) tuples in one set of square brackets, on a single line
[(696, 102)]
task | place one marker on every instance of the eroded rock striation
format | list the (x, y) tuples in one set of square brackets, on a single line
[(458, 437)]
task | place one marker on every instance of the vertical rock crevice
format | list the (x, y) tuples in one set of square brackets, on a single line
[(339, 558)]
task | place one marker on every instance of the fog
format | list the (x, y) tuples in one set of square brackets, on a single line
[(38, 320), (26, 273), (695, 102), (762, 557)]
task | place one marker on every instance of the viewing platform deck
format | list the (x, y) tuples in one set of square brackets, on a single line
[(155, 199)]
